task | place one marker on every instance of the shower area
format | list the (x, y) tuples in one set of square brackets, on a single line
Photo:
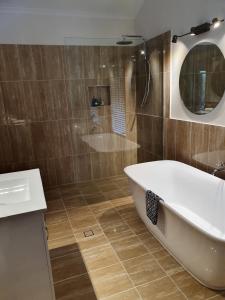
[(115, 89)]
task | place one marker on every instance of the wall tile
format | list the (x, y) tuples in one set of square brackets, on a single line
[(92, 55), (82, 166), (74, 62), (31, 66), (12, 95), (170, 139), (77, 97), (38, 100), (6, 154), (79, 128), (53, 62), (20, 138), (216, 146), (65, 170), (199, 145), (9, 63), (183, 141)]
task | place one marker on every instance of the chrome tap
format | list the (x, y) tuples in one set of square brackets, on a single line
[(220, 166)]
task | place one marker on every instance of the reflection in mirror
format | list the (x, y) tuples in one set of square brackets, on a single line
[(202, 78)]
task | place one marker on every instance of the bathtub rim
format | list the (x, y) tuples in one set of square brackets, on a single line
[(216, 238)]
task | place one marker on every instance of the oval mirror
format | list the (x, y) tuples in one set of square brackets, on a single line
[(202, 78)]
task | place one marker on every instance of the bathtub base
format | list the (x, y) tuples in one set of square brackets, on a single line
[(200, 255)]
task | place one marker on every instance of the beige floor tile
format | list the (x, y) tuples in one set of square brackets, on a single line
[(114, 194), (218, 297), (95, 198), (129, 247), (59, 230), (62, 246), (96, 258), (159, 289), (55, 217), (100, 208), (76, 201), (107, 187), (137, 226), (176, 296), (109, 218), (66, 266), (128, 295), (127, 211), (81, 217), (170, 265), (55, 205), (150, 242), (160, 254), (97, 240), (117, 231), (78, 288), (122, 201), (110, 280), (143, 269), (191, 288)]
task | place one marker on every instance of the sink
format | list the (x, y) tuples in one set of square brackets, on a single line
[(21, 192), (14, 191)]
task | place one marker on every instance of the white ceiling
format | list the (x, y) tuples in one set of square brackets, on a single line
[(122, 9)]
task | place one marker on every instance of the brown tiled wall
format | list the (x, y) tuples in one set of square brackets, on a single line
[(45, 109), (150, 116)]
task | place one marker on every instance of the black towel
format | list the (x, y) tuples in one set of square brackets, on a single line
[(152, 206)]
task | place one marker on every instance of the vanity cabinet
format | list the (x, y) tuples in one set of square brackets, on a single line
[(25, 269)]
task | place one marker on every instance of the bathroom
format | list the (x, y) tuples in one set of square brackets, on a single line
[(104, 104)]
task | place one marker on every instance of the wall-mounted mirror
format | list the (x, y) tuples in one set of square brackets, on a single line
[(202, 78)]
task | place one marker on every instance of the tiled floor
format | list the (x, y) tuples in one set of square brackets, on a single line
[(100, 249)]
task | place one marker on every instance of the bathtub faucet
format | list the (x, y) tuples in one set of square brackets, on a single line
[(220, 166)]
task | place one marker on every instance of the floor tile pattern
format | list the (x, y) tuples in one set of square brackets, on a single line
[(101, 250)]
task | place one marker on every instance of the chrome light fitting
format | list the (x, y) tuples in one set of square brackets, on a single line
[(202, 28)]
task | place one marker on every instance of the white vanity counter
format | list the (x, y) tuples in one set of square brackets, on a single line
[(25, 268), (21, 192)]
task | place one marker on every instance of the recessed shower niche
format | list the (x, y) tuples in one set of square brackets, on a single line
[(99, 95)]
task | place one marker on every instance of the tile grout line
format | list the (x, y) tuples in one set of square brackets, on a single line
[(120, 263)]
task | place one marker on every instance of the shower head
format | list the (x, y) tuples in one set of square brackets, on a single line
[(124, 42)]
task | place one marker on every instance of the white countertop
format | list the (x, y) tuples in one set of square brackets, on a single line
[(21, 192)]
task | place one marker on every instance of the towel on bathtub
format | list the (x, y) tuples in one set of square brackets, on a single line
[(152, 206)]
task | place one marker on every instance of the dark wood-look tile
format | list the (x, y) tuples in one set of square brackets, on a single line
[(12, 94), (92, 55), (55, 205), (60, 106), (75, 288), (170, 139), (51, 139), (74, 62), (9, 62), (6, 151), (79, 129), (199, 145), (166, 94), (82, 165), (53, 62), (64, 170), (76, 91), (183, 141), (20, 138), (216, 146), (30, 62), (38, 100), (47, 170), (62, 246), (157, 136), (59, 230), (67, 266)]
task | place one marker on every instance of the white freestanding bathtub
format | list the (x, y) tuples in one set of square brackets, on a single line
[(191, 220)]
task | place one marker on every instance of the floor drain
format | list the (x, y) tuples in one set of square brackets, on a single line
[(88, 233)]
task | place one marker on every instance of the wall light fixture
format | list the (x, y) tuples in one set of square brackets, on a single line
[(202, 28)]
